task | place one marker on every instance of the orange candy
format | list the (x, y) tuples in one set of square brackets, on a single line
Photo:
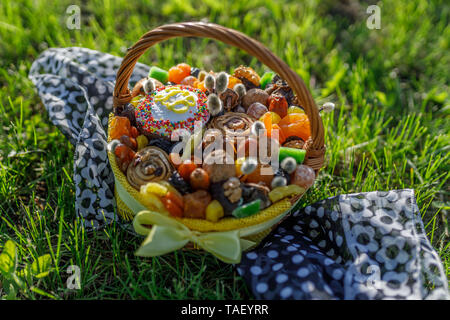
[(179, 72), (185, 67), (296, 124), (119, 126), (263, 174), (199, 179)]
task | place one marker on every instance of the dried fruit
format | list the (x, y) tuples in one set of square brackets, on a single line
[(248, 209), (275, 117), (233, 81), (129, 142), (278, 105), (172, 207), (295, 109), (127, 111), (303, 176), (217, 193), (185, 67), (142, 142), (195, 204), (119, 126), (155, 188), (219, 165), (296, 124), (201, 75), (185, 169), (153, 202), (179, 183), (285, 191), (199, 179), (214, 211), (189, 81), (255, 95), (256, 110), (124, 156), (263, 174)]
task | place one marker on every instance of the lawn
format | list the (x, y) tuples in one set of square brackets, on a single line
[(390, 128)]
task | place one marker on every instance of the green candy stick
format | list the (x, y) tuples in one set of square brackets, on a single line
[(247, 209), (158, 74), (297, 154)]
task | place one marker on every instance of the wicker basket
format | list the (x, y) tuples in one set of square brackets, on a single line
[(243, 233)]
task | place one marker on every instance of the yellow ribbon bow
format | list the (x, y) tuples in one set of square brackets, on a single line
[(167, 235)]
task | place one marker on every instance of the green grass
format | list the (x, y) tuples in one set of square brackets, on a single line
[(389, 131)]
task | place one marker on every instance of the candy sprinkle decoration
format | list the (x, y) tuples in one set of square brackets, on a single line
[(171, 107)]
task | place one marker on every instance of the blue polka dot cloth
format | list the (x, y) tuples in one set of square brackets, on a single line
[(355, 246)]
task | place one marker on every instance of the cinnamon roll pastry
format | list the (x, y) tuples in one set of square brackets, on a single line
[(233, 124), (150, 164)]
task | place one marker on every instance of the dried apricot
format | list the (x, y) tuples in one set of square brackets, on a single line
[(296, 124)]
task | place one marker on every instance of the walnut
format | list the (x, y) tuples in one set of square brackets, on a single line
[(232, 189)]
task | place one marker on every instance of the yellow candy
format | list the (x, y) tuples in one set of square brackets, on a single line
[(155, 188), (152, 202), (142, 142), (286, 191), (214, 211), (295, 109)]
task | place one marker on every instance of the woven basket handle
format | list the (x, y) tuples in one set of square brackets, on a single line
[(122, 95)]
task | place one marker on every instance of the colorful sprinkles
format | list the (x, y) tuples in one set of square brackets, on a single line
[(165, 127)]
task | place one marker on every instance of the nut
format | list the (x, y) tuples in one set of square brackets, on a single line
[(219, 166), (254, 95), (232, 189)]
